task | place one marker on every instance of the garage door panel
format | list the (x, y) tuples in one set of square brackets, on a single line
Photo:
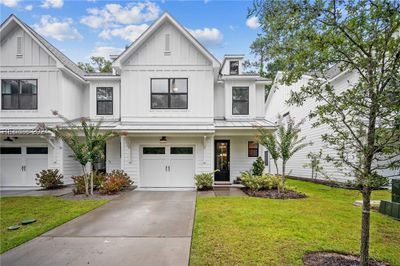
[(11, 172), (181, 172), (153, 173), (34, 164)]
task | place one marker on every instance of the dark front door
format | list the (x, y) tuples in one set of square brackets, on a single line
[(222, 160)]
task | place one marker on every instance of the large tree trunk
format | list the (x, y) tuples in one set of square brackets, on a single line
[(366, 208)]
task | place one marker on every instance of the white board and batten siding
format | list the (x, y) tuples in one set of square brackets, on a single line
[(56, 89), (152, 60)]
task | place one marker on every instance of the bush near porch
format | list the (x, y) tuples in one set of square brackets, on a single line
[(48, 211), (259, 231)]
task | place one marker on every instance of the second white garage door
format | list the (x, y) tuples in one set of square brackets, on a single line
[(167, 166)]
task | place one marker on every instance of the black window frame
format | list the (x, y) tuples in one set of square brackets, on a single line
[(252, 149), (266, 158), (248, 101), (100, 101), (230, 67), (169, 93), (19, 86)]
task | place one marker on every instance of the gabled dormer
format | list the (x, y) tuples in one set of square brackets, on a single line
[(232, 64)]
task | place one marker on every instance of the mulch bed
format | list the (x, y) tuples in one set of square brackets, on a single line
[(96, 195), (336, 259), (273, 194)]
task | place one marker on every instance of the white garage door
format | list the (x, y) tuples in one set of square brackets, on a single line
[(167, 166), (19, 165)]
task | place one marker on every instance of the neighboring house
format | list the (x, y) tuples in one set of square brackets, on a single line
[(182, 112), (299, 164)]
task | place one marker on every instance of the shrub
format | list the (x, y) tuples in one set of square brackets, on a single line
[(259, 182), (79, 183), (115, 182), (258, 167), (49, 179), (204, 181), (98, 179)]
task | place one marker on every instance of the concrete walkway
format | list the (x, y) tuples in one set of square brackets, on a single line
[(138, 228), (36, 192)]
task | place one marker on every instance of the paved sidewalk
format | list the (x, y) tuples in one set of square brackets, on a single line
[(36, 192), (138, 228)]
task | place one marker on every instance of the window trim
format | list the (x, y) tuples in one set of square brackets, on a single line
[(37, 92), (169, 94), (230, 67), (248, 100), (248, 149), (112, 100)]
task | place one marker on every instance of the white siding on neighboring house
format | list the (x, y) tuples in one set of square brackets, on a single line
[(276, 104)]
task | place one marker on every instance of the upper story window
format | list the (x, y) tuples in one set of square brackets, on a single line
[(240, 100), (252, 149), (169, 93), (234, 67), (104, 98), (19, 94)]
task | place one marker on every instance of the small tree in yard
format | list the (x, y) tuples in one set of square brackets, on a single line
[(361, 38), (285, 142), (267, 139), (85, 141)]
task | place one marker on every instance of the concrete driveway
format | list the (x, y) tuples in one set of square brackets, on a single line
[(138, 228)]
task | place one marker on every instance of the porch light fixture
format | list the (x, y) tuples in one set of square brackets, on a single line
[(163, 139), (8, 139)]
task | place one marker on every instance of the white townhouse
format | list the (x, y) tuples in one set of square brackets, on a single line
[(276, 104), (182, 112)]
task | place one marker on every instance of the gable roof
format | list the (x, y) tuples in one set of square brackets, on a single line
[(166, 17), (57, 54)]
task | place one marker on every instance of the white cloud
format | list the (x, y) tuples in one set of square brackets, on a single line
[(9, 3), (208, 36), (113, 14), (106, 51), (56, 29), (52, 3), (29, 7), (252, 22), (129, 33)]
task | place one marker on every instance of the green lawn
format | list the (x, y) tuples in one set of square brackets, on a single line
[(256, 231), (48, 211)]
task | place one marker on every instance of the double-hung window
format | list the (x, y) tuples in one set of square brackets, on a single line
[(240, 100), (19, 94), (252, 149), (104, 97), (169, 93)]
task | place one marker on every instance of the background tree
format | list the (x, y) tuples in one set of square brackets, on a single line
[(359, 37), (97, 64), (86, 142)]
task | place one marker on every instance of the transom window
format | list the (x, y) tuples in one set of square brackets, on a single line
[(234, 67), (19, 94), (104, 97), (169, 93), (252, 149), (240, 100)]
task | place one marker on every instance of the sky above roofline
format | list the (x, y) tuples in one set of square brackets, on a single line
[(84, 28)]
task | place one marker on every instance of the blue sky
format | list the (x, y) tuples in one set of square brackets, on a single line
[(95, 27)]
